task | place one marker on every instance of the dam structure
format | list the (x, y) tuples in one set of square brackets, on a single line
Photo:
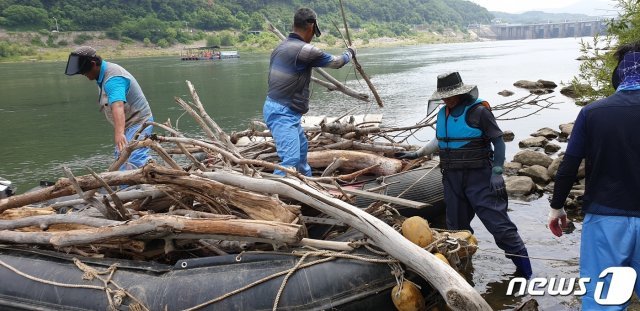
[(549, 30)]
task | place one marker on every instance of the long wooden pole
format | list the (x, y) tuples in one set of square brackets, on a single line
[(357, 64)]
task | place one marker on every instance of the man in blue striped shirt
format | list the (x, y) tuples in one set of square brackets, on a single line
[(288, 95)]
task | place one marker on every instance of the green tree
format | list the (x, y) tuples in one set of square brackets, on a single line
[(26, 16), (227, 39), (163, 43), (213, 40), (594, 78)]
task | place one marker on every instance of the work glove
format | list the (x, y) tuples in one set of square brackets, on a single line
[(352, 50), (496, 184), (557, 220), (410, 155)]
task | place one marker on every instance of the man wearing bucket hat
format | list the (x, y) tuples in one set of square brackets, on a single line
[(471, 169), (288, 95), (605, 135), (119, 97)]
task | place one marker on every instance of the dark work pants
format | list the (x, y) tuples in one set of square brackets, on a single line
[(466, 194)]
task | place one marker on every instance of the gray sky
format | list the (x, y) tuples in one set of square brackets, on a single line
[(519, 6)]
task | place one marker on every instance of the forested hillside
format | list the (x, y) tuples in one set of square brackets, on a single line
[(165, 23), (132, 16)]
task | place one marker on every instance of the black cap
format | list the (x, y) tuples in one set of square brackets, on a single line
[(306, 16), (79, 60)]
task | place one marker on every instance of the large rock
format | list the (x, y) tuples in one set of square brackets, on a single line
[(526, 84), (576, 192), (520, 186), (547, 84), (533, 142), (552, 170), (508, 136), (566, 129), (541, 91), (530, 157), (537, 173), (546, 132), (572, 91), (511, 168), (549, 187), (551, 148), (506, 93), (553, 167)]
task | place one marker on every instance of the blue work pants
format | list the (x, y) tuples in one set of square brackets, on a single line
[(291, 142), (139, 157), (608, 241), (467, 193)]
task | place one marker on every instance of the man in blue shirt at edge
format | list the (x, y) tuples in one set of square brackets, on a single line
[(288, 94), (471, 170), (605, 134), (119, 97)]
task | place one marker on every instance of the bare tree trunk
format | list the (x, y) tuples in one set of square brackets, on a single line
[(355, 161), (157, 226)]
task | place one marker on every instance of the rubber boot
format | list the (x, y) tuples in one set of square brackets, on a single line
[(523, 265)]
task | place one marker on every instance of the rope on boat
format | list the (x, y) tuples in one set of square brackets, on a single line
[(286, 278), (227, 295), (331, 255), (114, 297), (54, 283)]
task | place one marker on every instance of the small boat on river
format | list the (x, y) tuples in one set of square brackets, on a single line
[(207, 53)]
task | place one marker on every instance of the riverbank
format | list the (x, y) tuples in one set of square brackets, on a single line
[(44, 46)]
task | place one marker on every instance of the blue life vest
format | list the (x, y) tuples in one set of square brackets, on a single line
[(461, 145)]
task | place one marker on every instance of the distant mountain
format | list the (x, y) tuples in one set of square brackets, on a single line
[(535, 17), (589, 7)]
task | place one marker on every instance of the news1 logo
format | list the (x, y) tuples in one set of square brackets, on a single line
[(623, 280)]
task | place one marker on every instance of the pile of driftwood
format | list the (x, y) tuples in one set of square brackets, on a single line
[(214, 195)]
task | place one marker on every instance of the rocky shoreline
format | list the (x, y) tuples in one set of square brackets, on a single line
[(532, 171)]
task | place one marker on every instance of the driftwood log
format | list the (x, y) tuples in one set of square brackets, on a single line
[(458, 294), (257, 206), (355, 161), (159, 226)]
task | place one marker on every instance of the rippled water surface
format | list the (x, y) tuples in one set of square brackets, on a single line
[(48, 120)]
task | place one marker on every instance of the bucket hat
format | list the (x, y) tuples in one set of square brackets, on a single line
[(450, 84)]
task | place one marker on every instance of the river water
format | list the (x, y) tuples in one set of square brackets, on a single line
[(49, 120)]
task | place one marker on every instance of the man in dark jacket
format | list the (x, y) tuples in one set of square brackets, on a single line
[(605, 134), (288, 95), (471, 169)]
